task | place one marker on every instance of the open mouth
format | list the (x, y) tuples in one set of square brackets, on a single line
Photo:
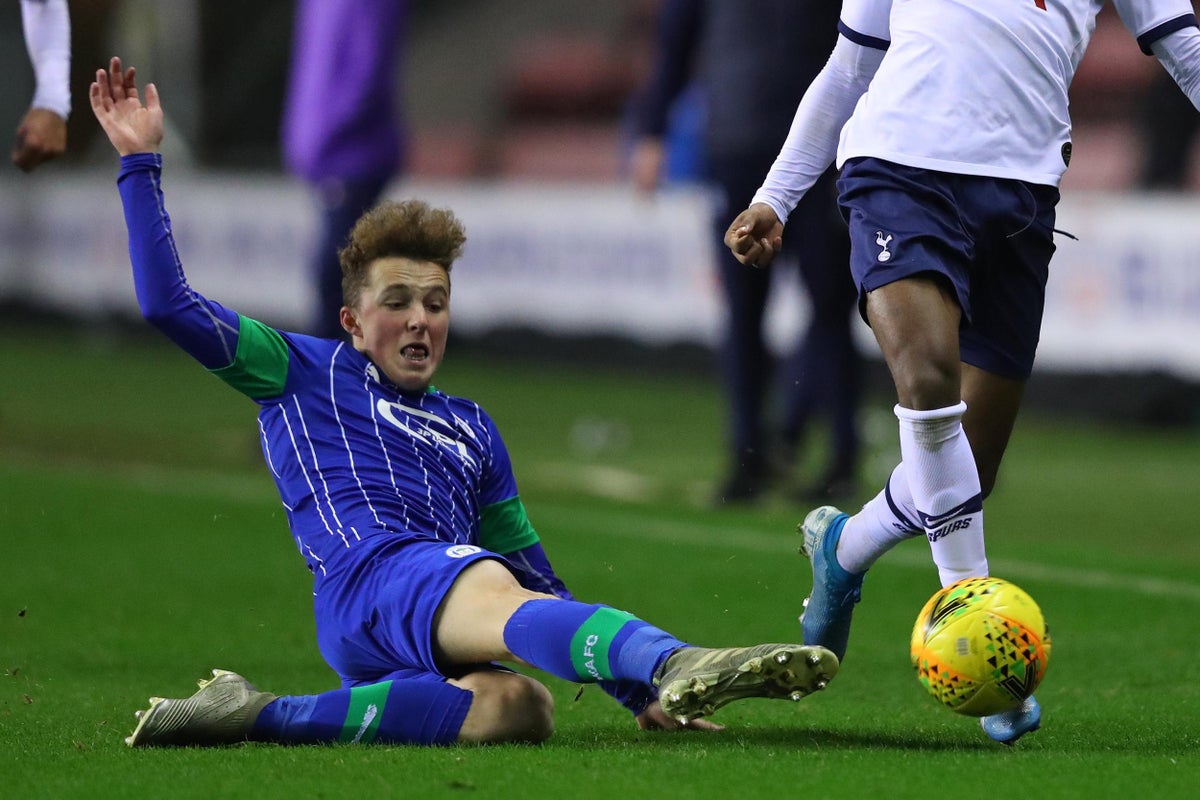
[(415, 353)]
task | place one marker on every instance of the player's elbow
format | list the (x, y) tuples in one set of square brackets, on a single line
[(161, 314), (154, 315)]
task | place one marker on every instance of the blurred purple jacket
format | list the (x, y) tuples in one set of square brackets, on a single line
[(341, 118)]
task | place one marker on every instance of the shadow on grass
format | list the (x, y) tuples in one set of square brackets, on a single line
[(775, 737)]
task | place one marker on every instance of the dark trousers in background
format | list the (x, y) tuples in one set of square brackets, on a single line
[(341, 206), (822, 375)]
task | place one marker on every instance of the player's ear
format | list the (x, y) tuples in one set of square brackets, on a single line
[(349, 321)]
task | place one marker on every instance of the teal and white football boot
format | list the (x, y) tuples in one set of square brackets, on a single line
[(828, 608)]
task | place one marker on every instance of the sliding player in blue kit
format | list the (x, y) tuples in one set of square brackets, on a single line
[(949, 120), (403, 503)]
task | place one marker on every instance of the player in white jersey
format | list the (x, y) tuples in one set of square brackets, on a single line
[(42, 132), (949, 121)]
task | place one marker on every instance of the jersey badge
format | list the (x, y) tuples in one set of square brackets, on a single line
[(885, 255)]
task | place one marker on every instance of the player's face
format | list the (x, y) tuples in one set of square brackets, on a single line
[(401, 320)]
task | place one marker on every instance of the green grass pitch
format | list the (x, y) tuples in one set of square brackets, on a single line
[(143, 544)]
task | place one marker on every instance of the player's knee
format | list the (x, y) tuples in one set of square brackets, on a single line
[(931, 383), (530, 706), (507, 707)]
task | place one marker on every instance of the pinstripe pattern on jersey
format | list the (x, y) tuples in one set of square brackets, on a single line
[(359, 462)]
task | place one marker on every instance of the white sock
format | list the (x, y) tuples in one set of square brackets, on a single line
[(945, 489), (887, 519)]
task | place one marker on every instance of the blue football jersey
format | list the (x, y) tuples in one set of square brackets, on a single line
[(358, 462), (355, 458)]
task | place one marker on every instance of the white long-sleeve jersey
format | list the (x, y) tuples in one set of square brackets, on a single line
[(976, 87), (47, 28)]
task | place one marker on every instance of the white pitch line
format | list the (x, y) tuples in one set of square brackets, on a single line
[(645, 528), (241, 487), (632, 524)]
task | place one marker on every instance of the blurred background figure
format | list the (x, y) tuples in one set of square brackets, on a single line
[(342, 124), (747, 63), (1167, 123), (42, 132)]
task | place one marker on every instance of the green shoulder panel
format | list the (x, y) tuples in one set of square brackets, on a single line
[(504, 527), (260, 368)]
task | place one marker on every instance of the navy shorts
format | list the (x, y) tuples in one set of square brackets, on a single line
[(991, 238), (375, 623)]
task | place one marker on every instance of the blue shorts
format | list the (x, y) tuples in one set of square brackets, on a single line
[(991, 238), (375, 622)]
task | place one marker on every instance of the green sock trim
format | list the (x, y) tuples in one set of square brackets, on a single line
[(589, 645), (365, 713)]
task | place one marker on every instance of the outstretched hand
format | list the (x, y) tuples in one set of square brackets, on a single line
[(655, 719), (755, 235), (131, 126)]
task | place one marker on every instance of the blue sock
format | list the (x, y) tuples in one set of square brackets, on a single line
[(587, 643), (396, 712)]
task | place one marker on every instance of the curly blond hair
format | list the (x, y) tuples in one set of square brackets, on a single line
[(409, 229)]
